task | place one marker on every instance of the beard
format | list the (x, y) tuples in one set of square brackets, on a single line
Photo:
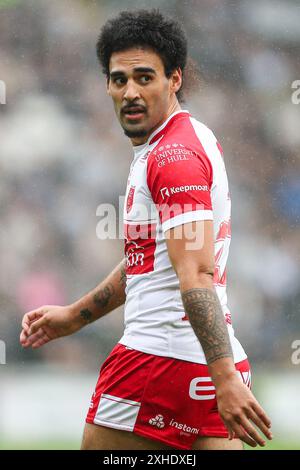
[(135, 133)]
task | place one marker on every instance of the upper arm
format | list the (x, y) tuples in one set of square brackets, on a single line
[(191, 252)]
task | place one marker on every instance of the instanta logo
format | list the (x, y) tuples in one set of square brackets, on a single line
[(184, 427), (158, 421), (182, 189)]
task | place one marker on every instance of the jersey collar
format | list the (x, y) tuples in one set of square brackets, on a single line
[(160, 131)]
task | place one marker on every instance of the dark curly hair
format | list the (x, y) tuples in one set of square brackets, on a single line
[(144, 28)]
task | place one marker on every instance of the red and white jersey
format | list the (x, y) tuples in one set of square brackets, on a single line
[(178, 176)]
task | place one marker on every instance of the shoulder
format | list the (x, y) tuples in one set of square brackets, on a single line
[(186, 137), (190, 131), (206, 138), (187, 146)]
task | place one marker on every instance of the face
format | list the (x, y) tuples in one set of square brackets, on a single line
[(142, 94)]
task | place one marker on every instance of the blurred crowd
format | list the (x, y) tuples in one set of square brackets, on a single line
[(62, 153)]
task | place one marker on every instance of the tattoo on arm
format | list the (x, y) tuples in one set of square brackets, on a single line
[(104, 295), (86, 314), (203, 308)]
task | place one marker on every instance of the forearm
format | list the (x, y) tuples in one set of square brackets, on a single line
[(107, 296), (205, 314)]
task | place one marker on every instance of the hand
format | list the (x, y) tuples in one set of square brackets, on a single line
[(238, 409), (47, 323)]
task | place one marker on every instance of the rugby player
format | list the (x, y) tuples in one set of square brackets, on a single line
[(178, 378)]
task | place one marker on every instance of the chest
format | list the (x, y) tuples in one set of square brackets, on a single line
[(138, 206)]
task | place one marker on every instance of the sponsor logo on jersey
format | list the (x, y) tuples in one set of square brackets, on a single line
[(167, 154), (164, 192), (158, 421), (167, 147), (129, 201), (182, 189), (139, 247), (134, 255)]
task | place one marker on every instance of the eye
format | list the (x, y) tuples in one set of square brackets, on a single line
[(145, 79), (119, 81)]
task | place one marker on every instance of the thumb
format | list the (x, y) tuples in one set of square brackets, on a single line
[(35, 326)]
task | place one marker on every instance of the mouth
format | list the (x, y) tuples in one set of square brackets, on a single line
[(133, 113)]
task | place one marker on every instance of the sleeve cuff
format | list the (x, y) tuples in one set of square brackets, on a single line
[(186, 217)]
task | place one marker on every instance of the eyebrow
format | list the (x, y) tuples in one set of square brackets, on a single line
[(119, 73)]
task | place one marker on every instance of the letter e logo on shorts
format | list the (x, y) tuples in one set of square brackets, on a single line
[(198, 388)]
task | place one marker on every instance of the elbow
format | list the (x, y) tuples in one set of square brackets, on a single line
[(195, 276)]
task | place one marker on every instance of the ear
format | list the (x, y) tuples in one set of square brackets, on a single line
[(176, 80)]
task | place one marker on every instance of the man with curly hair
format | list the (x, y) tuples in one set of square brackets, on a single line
[(178, 378)]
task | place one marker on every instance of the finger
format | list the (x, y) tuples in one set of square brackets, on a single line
[(34, 337), (260, 424), (230, 431), (29, 317), (261, 414), (34, 327), (23, 337), (231, 434), (252, 432), (241, 434), (40, 342), (25, 324)]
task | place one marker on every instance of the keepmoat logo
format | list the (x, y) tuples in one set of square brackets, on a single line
[(182, 189)]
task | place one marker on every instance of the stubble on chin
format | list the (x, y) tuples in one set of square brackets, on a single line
[(132, 134)]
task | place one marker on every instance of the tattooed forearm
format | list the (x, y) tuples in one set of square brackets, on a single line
[(87, 315), (203, 308), (103, 296), (107, 296)]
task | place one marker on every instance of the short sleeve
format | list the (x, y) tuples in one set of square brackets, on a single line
[(180, 182)]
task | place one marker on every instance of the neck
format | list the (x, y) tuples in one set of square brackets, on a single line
[(142, 140)]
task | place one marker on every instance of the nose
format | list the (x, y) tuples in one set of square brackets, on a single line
[(131, 92)]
